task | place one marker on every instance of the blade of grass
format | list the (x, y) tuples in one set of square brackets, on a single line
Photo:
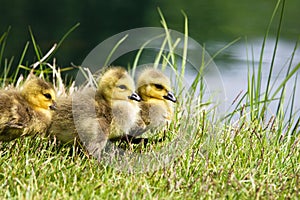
[(221, 50), (293, 101), (7, 67), (294, 130), (63, 38), (40, 61), (35, 46), (293, 72), (159, 54), (165, 26), (20, 62), (114, 49), (262, 114), (3, 44), (287, 73), (185, 46), (139, 53), (166, 59)]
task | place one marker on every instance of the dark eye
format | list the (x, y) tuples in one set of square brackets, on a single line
[(123, 87), (159, 86), (48, 96)]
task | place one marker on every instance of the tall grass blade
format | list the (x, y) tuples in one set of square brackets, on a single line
[(293, 101), (168, 37), (287, 73), (185, 47), (259, 72), (35, 46), (296, 127), (114, 49), (287, 78), (139, 53), (63, 38), (3, 44), (274, 56), (20, 62)]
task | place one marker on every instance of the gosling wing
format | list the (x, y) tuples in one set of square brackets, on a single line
[(15, 116)]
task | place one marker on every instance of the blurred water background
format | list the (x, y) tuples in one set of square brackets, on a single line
[(213, 23)]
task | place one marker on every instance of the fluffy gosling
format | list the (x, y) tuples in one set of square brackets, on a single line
[(157, 104), (106, 114), (26, 112)]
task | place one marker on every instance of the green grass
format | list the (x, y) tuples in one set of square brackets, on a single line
[(256, 156), (242, 163)]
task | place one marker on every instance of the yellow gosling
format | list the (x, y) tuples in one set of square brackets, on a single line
[(157, 104), (110, 113), (26, 112)]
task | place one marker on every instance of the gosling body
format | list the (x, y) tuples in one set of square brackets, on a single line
[(157, 101), (26, 112), (93, 117)]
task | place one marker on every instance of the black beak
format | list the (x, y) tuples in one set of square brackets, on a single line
[(53, 106), (170, 96), (135, 96)]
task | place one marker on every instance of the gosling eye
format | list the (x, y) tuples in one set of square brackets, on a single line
[(159, 86), (48, 96), (123, 87)]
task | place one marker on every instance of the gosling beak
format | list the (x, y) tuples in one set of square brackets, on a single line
[(170, 96), (53, 106), (135, 96)]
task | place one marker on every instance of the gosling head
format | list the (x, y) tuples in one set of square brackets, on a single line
[(116, 84), (39, 94), (153, 84)]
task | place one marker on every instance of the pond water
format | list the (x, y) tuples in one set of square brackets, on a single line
[(213, 23), (234, 73), (229, 81)]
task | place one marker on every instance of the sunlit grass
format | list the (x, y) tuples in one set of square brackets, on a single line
[(247, 155)]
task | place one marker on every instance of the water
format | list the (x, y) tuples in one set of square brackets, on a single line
[(212, 23), (234, 73)]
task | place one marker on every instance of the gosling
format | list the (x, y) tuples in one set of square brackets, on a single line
[(157, 104), (26, 112), (108, 113)]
